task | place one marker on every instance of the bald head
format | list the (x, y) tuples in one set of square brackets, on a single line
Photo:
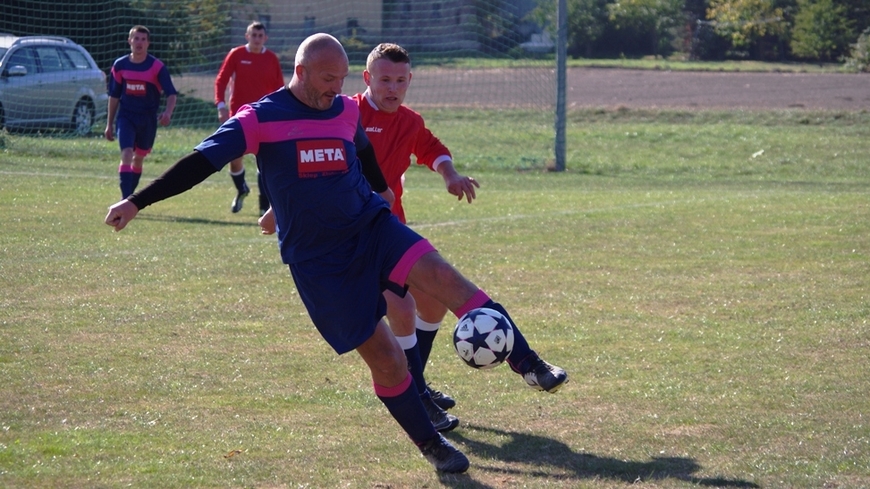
[(321, 67), (318, 46)]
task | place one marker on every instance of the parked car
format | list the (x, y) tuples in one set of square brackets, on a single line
[(49, 82)]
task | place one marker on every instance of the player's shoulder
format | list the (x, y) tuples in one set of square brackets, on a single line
[(239, 50), (408, 113), (152, 60)]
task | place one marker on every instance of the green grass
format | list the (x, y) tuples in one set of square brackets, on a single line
[(702, 277)]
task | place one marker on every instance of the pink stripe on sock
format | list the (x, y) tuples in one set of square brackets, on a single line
[(398, 390), (125, 169), (478, 299), (400, 273)]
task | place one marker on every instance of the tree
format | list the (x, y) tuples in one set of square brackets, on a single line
[(653, 16), (187, 35), (586, 22), (746, 21), (822, 30)]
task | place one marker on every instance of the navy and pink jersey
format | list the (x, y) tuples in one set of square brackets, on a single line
[(309, 164), (139, 85)]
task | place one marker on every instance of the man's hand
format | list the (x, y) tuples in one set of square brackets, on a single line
[(389, 196), (461, 186), (458, 185), (267, 222), (120, 214), (223, 114), (165, 118)]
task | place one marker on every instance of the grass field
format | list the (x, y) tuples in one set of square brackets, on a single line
[(702, 276)]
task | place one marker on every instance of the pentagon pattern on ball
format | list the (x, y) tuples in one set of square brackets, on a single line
[(483, 338)]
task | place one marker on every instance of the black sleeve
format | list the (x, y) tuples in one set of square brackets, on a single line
[(371, 170), (180, 177)]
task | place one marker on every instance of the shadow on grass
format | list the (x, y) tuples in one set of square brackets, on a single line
[(195, 220), (541, 452)]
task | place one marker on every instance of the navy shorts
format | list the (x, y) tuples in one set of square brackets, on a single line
[(342, 289), (136, 131)]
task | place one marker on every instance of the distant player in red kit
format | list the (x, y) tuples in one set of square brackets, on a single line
[(135, 86), (254, 72)]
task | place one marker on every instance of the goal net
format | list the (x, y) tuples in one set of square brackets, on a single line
[(482, 56)]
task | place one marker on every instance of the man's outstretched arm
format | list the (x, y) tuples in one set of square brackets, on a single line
[(180, 177)]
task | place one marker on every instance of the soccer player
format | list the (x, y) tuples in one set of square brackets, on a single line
[(254, 71), (338, 237), (397, 132), (135, 86)]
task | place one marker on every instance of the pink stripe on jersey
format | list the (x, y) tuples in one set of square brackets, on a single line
[(248, 119), (271, 132), (343, 126), (382, 391), (478, 299), (149, 75), (400, 273)]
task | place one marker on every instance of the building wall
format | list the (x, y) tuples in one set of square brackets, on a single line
[(288, 22), (419, 25)]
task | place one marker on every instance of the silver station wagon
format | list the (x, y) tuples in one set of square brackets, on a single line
[(49, 82)]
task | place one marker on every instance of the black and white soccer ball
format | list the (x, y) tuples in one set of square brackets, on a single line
[(483, 338)]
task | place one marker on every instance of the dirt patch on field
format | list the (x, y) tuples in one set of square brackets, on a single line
[(614, 88), (594, 87)]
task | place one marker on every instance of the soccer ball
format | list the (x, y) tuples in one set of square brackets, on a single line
[(483, 338)]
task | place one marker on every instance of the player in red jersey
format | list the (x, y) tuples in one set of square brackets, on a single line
[(254, 72), (397, 132)]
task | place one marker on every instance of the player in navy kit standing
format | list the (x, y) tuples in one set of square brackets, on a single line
[(341, 242), (135, 86)]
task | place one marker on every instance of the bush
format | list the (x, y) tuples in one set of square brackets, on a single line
[(859, 60)]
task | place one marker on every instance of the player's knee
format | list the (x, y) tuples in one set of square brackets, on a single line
[(391, 363), (401, 313)]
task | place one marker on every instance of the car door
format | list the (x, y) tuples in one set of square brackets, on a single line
[(57, 94), (21, 90)]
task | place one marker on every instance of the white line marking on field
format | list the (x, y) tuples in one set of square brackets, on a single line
[(517, 217)]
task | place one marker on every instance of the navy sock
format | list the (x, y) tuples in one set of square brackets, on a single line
[(522, 352), (416, 368), (239, 180), (135, 183), (126, 183), (404, 404), (425, 339)]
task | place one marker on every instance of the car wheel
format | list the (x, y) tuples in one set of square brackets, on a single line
[(83, 118)]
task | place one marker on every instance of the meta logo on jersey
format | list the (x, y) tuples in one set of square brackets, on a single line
[(320, 156), (136, 88)]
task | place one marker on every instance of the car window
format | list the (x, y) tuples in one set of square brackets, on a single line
[(24, 57), (75, 60), (49, 58)]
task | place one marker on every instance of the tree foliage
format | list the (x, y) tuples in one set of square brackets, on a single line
[(653, 16), (822, 31), (586, 22), (746, 21), (189, 33)]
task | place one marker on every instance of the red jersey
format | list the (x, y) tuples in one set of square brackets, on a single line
[(254, 75), (395, 137)]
